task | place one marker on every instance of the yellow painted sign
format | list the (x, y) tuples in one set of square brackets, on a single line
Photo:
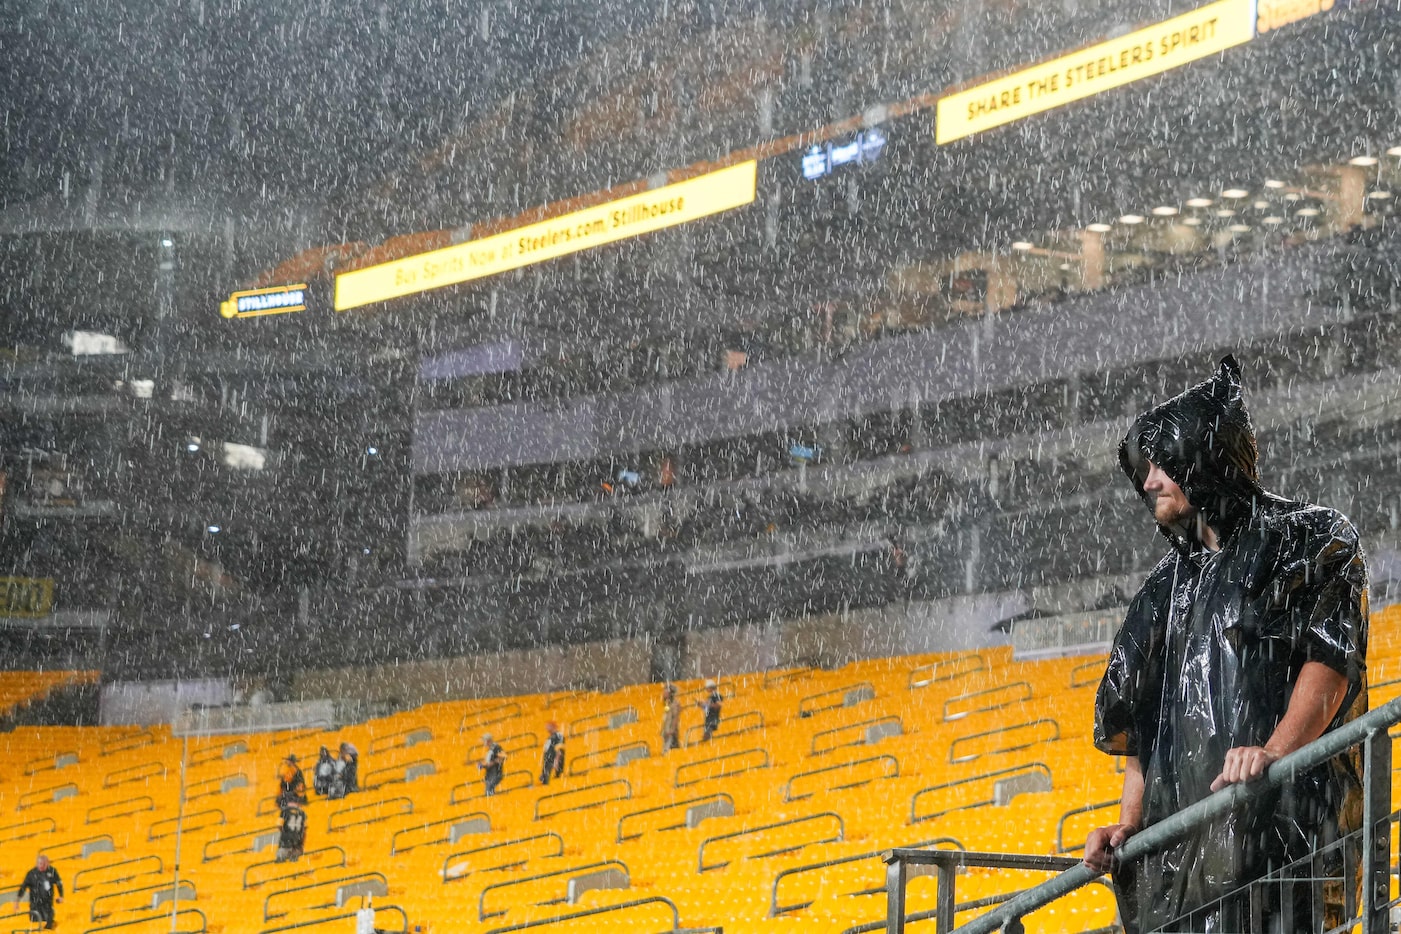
[(1277, 13), (254, 303), (584, 229), (26, 596), (1090, 71)]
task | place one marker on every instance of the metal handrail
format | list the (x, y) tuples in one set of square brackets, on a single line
[(1097, 667), (1073, 812), (502, 788), (124, 743), (185, 822), (447, 822), (162, 916), (483, 914), (89, 819), (600, 752), (52, 826), (1154, 838), (724, 688), (185, 885), (79, 845), (788, 785), (160, 868), (136, 773), (874, 721), (785, 674), (317, 922), (561, 696), (548, 835), (323, 884), (621, 906), (463, 726), (239, 748), (1003, 729), (407, 732), (36, 797), (933, 668), (776, 909), (984, 776), (701, 867), (578, 791), (843, 691), (292, 875), (730, 726), (400, 768), (52, 761), (206, 858), (332, 827), (297, 736), (197, 789), (508, 745), (1026, 696), (605, 717), (718, 797), (764, 754)]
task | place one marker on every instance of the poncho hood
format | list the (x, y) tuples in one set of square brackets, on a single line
[(1204, 441)]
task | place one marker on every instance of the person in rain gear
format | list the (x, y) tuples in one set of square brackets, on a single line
[(493, 764), (671, 719), (552, 761), (291, 784), (44, 888), (1247, 641), (348, 768), (291, 840), (711, 706), (324, 772)]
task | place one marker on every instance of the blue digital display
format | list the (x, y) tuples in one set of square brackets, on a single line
[(822, 159)]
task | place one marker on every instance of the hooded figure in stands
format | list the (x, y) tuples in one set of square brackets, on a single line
[(1247, 641)]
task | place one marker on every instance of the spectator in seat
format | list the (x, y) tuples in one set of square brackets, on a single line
[(324, 772), (44, 888), (711, 706), (1245, 643), (493, 764), (671, 719), (349, 760), (552, 762), (291, 782), (292, 839)]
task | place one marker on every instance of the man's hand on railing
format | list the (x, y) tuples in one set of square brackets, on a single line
[(1244, 764), (1101, 844)]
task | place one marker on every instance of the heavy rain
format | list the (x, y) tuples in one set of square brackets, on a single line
[(631, 466)]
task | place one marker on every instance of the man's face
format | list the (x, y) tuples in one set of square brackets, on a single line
[(1170, 504), (42, 863)]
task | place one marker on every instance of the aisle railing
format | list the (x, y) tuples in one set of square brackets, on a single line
[(1368, 731)]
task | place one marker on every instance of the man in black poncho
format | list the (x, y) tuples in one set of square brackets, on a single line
[(1247, 641)]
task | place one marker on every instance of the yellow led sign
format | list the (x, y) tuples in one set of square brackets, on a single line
[(253, 303), (1141, 54), (26, 596), (559, 236), (1277, 13)]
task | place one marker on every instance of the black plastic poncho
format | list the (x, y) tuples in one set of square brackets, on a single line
[(1208, 655)]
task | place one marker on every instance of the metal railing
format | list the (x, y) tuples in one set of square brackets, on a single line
[(481, 719), (745, 759), (1029, 768), (510, 781), (592, 912), (41, 825), (848, 695), (777, 908), (114, 809), (401, 739), (1368, 730), (854, 782), (1014, 737), (609, 757), (1021, 689), (302, 867), (335, 920), (946, 864), (161, 917), (947, 670), (745, 721), (563, 874), (82, 879), (718, 798), (405, 805), (596, 722), (449, 876), (593, 800), (831, 818), (134, 773)]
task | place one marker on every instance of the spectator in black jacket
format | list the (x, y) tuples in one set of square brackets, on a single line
[(325, 771), (291, 782), (552, 763), (711, 706), (44, 888), (493, 764)]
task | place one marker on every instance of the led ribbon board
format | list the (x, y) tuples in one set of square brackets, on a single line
[(254, 303), (26, 596), (1150, 51), (559, 236)]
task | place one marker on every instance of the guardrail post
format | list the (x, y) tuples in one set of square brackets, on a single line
[(1376, 832), (895, 873), (946, 875)]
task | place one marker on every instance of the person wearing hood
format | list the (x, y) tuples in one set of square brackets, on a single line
[(1246, 642), (323, 774), (552, 761)]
